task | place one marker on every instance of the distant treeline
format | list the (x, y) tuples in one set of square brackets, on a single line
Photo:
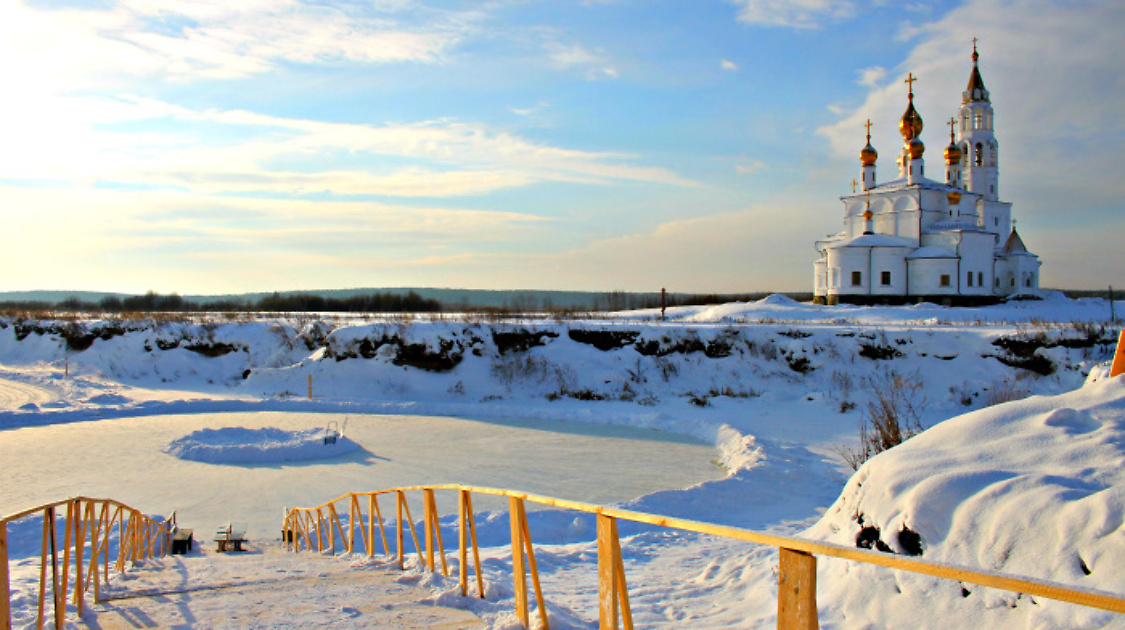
[(155, 303), (410, 302)]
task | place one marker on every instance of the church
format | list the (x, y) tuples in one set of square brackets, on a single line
[(916, 239)]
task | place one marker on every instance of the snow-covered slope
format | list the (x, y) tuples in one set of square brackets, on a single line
[(1034, 487)]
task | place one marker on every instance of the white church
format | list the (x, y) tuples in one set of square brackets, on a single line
[(916, 239)]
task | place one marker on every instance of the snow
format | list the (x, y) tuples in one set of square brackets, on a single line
[(628, 409), (239, 445)]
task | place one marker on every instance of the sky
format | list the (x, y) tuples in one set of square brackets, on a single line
[(210, 147)]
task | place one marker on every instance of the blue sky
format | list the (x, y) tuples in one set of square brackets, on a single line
[(218, 147)]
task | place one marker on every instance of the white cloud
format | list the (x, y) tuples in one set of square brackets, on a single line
[(211, 39), (594, 63), (792, 13), (285, 156), (871, 77), (728, 65)]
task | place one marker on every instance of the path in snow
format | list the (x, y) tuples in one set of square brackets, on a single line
[(14, 394), (124, 459), (267, 587)]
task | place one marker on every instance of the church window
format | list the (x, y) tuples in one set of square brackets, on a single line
[(944, 279), (1012, 282), (1027, 283), (978, 121), (995, 222), (885, 278), (857, 278), (969, 278), (979, 154), (980, 278)]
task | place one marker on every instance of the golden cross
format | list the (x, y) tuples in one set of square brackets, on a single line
[(952, 124), (910, 79), (853, 186), (868, 125), (974, 44)]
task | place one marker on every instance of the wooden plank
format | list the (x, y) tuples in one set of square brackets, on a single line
[(398, 511), (519, 574), (428, 509), (796, 591), (436, 528), (68, 525), (607, 574), (622, 587), (5, 581), (413, 532), (339, 530), (382, 531), (59, 602), (43, 567), (473, 538), (463, 544), (526, 535), (79, 549)]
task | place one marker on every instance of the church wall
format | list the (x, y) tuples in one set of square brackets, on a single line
[(892, 262), (926, 276), (976, 258)]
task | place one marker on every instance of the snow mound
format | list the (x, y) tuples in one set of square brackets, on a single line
[(778, 299), (1034, 488), (237, 445)]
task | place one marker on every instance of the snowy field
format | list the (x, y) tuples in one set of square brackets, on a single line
[(732, 414)]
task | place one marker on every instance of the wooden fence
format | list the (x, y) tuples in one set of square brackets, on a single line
[(318, 528), (87, 524)]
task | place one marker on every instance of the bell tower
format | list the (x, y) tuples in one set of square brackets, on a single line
[(979, 161)]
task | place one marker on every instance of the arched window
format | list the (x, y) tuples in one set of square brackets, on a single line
[(978, 121), (992, 154), (964, 121), (979, 155)]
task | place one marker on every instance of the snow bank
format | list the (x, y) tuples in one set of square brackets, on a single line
[(238, 445), (1034, 487)]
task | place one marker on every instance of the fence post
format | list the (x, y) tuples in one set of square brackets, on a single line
[(519, 573), (796, 591), (1118, 357), (5, 589), (607, 574)]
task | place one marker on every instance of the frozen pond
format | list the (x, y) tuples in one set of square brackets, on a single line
[(124, 459)]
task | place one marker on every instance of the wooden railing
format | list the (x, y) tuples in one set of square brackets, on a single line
[(87, 524), (317, 528)]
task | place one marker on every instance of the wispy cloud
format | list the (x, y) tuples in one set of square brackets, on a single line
[(593, 62), (728, 65), (216, 39), (286, 156), (792, 13)]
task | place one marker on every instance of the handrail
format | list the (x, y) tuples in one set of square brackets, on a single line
[(796, 575), (87, 522)]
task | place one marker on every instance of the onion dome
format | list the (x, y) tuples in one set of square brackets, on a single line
[(954, 197), (911, 124), (917, 148), (868, 154), (952, 152)]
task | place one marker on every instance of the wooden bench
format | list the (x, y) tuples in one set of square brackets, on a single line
[(230, 537), (182, 541)]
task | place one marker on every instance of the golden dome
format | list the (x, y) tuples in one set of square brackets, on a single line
[(952, 154), (911, 124), (868, 154), (954, 197), (917, 148)]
